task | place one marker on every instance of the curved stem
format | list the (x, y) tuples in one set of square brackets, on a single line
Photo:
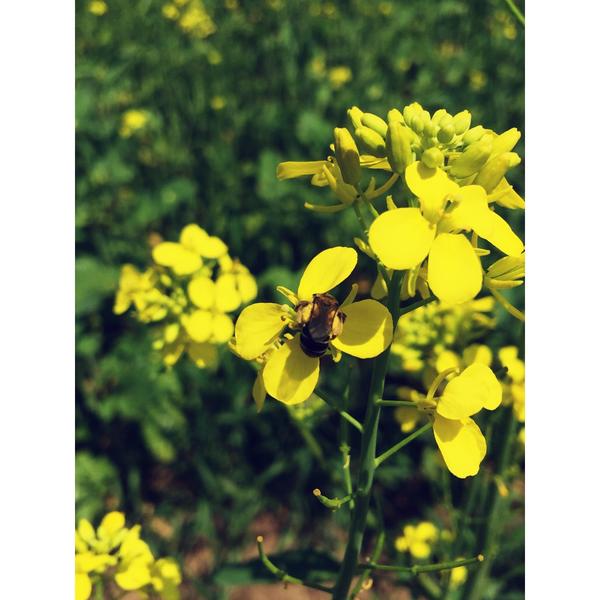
[(401, 444), (515, 11), (366, 467)]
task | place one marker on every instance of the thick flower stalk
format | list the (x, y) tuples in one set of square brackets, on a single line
[(289, 340), (192, 289), (116, 552)]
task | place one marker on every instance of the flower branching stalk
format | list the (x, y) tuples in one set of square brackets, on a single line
[(367, 465)]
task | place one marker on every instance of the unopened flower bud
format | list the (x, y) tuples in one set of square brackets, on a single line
[(433, 157), (506, 141), (473, 135), (410, 111), (397, 144), (472, 159), (370, 140), (417, 124), (438, 115), (431, 129), (355, 115), (492, 172), (347, 156), (375, 123), (446, 133), (461, 121), (395, 115)]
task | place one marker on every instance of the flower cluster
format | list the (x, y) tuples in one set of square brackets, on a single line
[(191, 290), (456, 176), (132, 121), (419, 540), (191, 16), (288, 340), (115, 552)]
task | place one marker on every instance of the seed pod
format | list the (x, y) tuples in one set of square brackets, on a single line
[(461, 122), (397, 145), (347, 155), (472, 159), (473, 135), (371, 141), (495, 169), (433, 157), (375, 123), (395, 115), (355, 115), (446, 133)]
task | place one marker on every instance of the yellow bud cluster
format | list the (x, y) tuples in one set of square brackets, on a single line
[(191, 289)]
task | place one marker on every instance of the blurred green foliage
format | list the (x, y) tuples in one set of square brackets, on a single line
[(267, 82)]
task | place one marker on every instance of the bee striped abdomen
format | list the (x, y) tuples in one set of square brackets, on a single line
[(310, 346)]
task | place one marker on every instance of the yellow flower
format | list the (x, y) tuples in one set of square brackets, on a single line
[(515, 390), (458, 576), (132, 120), (339, 76), (403, 238), (185, 257), (417, 539), (317, 325), (170, 11), (458, 437), (98, 7)]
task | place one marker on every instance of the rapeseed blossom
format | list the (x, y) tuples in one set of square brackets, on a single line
[(132, 121), (514, 389), (192, 289), (115, 551), (290, 340), (418, 539)]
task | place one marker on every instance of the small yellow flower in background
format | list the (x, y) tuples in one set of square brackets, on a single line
[(515, 390), (196, 21), (458, 576), (117, 551), (477, 80), (339, 76), (290, 340), (132, 121), (218, 103), (417, 539), (98, 7), (192, 289), (170, 11)]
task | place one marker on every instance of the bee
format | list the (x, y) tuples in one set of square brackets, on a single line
[(322, 321)]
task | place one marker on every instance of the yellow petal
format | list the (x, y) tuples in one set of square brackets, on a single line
[(247, 287), (111, 524), (401, 238), (420, 549), (446, 360), (136, 575), (175, 256), (497, 231), (83, 586), (222, 328), (475, 388), (291, 376), (194, 238), (426, 531), (227, 296), (431, 186), (367, 330), (461, 443), (198, 325), (326, 270), (454, 271), (478, 353), (506, 196), (202, 355), (86, 531), (201, 291), (257, 327)]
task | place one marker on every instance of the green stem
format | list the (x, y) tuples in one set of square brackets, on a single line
[(486, 540), (366, 467), (343, 413), (407, 403), (281, 574), (415, 305), (332, 503), (416, 569), (309, 438), (401, 444), (515, 11)]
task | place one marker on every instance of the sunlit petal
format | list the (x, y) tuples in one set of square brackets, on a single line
[(367, 330), (326, 270), (454, 271), (291, 376), (257, 327), (461, 443), (401, 238)]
